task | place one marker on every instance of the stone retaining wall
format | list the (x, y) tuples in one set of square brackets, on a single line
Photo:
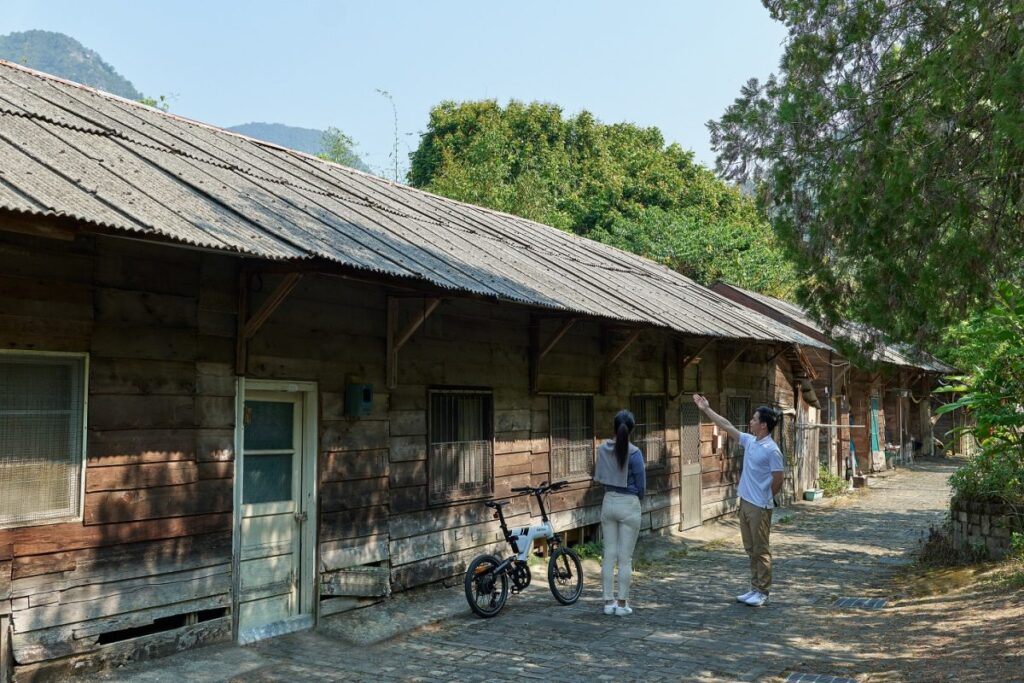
[(991, 525)]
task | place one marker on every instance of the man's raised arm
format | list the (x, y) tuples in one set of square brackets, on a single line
[(702, 403)]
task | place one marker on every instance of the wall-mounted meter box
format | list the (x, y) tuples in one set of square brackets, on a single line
[(358, 400)]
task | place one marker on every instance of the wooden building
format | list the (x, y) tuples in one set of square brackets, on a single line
[(242, 388), (880, 408)]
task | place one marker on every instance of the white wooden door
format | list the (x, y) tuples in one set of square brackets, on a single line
[(272, 515)]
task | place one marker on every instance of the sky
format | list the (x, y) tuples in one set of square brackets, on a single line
[(673, 64)]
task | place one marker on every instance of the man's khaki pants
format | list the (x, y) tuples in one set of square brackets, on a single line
[(755, 527)]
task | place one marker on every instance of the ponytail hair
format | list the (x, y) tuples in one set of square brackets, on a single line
[(768, 416), (624, 423)]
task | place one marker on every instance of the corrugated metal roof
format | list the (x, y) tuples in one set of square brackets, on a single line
[(71, 151), (896, 354)]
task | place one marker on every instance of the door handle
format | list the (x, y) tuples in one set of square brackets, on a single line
[(301, 517)]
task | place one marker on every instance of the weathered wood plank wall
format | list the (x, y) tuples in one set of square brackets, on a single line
[(154, 541)]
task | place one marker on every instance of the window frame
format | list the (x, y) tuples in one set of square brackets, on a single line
[(734, 450), (486, 489), (571, 476), (663, 414), (76, 511)]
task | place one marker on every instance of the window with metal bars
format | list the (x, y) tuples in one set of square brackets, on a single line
[(461, 459), (42, 414), (571, 420), (649, 432), (737, 411)]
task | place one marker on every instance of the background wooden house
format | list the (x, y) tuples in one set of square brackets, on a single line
[(242, 388), (882, 406)]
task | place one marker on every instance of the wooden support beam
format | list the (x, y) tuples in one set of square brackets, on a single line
[(688, 360), (247, 327), (38, 227), (537, 352), (775, 355), (559, 333), (735, 357), (683, 362), (396, 339), (614, 356), (241, 347), (282, 291)]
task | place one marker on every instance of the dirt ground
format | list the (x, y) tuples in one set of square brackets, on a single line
[(958, 624)]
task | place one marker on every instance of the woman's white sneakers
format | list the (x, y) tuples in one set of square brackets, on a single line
[(618, 610)]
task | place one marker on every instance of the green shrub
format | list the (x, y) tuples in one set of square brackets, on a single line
[(1017, 545), (992, 393), (591, 550), (831, 484)]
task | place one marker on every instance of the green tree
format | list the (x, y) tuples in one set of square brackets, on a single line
[(888, 154), (340, 149), (992, 390), (160, 102), (620, 184)]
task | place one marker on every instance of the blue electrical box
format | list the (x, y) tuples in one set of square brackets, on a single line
[(358, 400)]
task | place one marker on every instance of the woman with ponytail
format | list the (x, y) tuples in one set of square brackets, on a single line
[(620, 467)]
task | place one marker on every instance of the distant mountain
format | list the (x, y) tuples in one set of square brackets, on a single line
[(308, 140), (65, 57)]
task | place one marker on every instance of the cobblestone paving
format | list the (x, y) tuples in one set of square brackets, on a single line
[(686, 624)]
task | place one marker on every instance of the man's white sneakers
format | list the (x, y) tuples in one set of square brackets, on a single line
[(746, 596), (758, 599)]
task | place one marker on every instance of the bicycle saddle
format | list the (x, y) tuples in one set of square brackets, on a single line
[(496, 503)]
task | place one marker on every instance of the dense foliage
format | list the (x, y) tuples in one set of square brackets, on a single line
[(992, 391), (620, 184), (889, 154)]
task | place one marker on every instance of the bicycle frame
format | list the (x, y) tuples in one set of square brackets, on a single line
[(521, 538)]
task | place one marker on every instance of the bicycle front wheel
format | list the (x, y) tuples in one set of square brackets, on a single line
[(486, 590), (565, 575)]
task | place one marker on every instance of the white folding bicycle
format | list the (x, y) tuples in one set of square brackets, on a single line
[(488, 579)]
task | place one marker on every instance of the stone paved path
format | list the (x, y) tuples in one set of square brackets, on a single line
[(686, 626)]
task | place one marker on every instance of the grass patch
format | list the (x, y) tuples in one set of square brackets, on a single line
[(831, 484), (710, 546)]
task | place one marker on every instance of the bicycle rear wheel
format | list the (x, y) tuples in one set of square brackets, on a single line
[(486, 590), (565, 575)]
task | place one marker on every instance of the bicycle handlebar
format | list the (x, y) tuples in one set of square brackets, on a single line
[(543, 488)]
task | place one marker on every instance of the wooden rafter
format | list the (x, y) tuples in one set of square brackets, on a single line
[(396, 339), (249, 326)]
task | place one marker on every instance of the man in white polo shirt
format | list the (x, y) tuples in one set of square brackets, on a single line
[(760, 481)]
